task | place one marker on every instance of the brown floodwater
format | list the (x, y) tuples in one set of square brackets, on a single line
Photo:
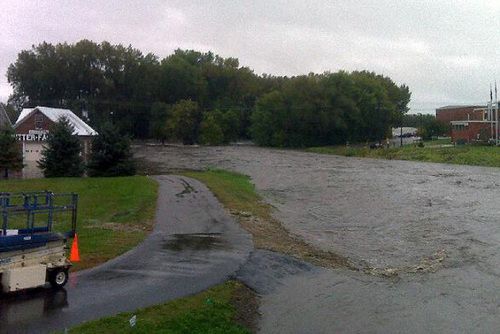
[(429, 233)]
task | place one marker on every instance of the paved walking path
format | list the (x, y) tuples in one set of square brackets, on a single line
[(194, 245)]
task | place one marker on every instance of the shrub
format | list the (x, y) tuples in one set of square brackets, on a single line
[(111, 154), (61, 156)]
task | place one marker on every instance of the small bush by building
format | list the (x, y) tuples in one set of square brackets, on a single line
[(111, 155), (11, 156), (62, 154)]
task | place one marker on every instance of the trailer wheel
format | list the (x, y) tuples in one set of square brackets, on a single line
[(58, 278)]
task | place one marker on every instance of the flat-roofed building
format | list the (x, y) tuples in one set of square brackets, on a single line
[(468, 123)]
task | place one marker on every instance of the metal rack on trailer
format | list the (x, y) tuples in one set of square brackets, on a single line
[(32, 252)]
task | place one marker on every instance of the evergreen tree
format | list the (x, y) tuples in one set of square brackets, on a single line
[(111, 154), (61, 156), (11, 157)]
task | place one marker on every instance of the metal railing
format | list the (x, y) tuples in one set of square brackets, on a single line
[(34, 205)]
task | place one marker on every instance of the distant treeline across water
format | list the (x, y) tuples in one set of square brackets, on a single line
[(196, 97)]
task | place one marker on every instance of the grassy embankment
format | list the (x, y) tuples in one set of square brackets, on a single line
[(220, 309), (114, 214), (237, 193), (227, 308), (461, 155)]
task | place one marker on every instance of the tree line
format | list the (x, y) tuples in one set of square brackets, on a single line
[(427, 125), (197, 97)]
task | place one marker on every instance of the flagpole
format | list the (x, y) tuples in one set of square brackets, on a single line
[(496, 113), (490, 112)]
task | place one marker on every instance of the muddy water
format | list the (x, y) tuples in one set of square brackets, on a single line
[(378, 213), (340, 301), (437, 226), (300, 298)]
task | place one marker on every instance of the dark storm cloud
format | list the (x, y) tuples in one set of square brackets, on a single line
[(444, 50)]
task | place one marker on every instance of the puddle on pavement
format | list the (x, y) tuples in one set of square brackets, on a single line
[(196, 241)]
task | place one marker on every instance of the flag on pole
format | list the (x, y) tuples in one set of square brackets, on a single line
[(491, 94)]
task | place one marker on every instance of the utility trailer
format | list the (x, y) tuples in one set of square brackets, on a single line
[(32, 244)]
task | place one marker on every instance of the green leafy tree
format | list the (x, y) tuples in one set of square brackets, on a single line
[(267, 120), (181, 77), (210, 130), (101, 78), (220, 126), (230, 123), (123, 84), (11, 156), (111, 155), (428, 126), (158, 125), (436, 128), (61, 155), (185, 121), (328, 109)]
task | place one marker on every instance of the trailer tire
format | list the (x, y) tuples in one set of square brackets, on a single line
[(58, 278)]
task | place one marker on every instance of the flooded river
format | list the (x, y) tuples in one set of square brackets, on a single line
[(378, 213), (429, 234)]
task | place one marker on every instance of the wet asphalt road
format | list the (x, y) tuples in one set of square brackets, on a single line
[(194, 245), (436, 225)]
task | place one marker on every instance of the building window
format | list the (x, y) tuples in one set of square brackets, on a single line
[(38, 121), (459, 127)]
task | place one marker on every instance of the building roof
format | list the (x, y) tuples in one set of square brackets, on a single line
[(54, 114), (460, 106), (406, 130), (4, 118)]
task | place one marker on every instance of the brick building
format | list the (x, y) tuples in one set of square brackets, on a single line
[(33, 126), (467, 123), (460, 113)]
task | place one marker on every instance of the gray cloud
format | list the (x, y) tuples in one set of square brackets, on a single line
[(444, 50)]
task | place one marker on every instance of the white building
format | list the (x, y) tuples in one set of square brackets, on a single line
[(34, 124)]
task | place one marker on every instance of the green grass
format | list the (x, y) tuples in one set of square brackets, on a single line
[(114, 214), (209, 312), (235, 191), (436, 142), (462, 155)]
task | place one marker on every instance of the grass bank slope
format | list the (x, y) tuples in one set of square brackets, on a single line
[(488, 156), (217, 310), (237, 193), (114, 214)]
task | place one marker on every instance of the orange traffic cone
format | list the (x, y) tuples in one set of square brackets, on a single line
[(74, 256)]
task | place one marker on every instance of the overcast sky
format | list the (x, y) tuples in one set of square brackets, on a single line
[(445, 51)]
